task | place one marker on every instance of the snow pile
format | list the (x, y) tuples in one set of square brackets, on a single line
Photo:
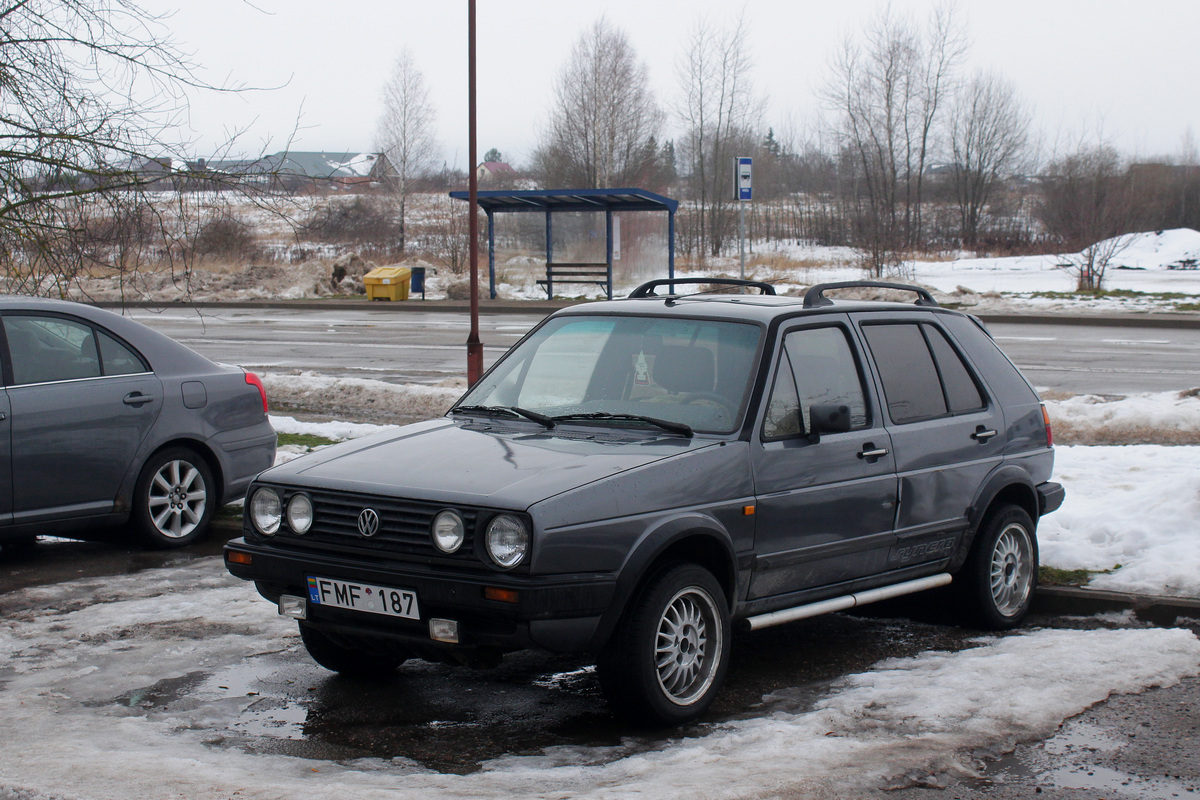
[(1159, 418), (362, 397), (93, 668), (1136, 508), (1156, 249)]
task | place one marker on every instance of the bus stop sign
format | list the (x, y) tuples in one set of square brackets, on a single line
[(744, 191)]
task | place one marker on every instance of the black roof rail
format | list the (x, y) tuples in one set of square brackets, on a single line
[(815, 296), (647, 288)]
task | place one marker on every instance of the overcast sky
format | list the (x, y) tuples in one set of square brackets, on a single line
[(1128, 68)]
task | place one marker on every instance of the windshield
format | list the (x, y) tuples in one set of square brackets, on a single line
[(693, 372)]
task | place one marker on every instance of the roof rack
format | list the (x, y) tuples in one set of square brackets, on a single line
[(647, 288), (815, 296)]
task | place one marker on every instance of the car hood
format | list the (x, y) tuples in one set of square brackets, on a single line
[(502, 465)]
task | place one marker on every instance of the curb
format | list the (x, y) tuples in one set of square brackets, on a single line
[(1078, 601)]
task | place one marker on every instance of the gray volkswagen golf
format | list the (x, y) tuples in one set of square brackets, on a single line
[(106, 421), (637, 476)]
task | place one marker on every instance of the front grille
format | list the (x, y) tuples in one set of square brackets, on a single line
[(403, 524)]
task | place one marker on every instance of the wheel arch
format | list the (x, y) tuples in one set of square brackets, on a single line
[(1008, 485), (691, 538), (196, 446)]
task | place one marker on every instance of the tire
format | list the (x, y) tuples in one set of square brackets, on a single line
[(349, 661), (174, 499), (1000, 573), (670, 651)]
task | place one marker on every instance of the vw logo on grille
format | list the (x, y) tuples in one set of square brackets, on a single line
[(368, 522)]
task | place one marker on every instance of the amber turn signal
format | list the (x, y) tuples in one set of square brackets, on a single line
[(503, 595), (234, 557)]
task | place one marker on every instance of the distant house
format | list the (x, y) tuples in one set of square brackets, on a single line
[(496, 172), (308, 170)]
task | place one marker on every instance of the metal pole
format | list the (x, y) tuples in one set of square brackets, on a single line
[(742, 236), (474, 345)]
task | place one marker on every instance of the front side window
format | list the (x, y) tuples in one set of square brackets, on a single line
[(694, 372), (817, 367)]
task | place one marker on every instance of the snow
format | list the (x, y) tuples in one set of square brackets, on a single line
[(1133, 509), (83, 660)]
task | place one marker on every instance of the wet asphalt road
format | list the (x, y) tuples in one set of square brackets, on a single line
[(452, 719), (428, 346)]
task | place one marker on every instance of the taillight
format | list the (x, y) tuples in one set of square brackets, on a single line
[(1049, 433), (257, 383)]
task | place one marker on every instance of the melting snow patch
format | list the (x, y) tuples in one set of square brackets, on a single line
[(72, 648)]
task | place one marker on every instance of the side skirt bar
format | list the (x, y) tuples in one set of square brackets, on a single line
[(847, 601)]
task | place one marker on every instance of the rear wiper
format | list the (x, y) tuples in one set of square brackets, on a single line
[(666, 425), (506, 411)]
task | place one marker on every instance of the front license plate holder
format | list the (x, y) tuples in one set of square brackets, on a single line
[(385, 600)]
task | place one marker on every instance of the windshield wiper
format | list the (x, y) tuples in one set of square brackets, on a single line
[(666, 425), (506, 411)]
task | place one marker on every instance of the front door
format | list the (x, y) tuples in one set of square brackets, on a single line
[(75, 429), (825, 504)]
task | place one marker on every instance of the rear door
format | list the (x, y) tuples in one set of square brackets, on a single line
[(825, 509), (947, 432), (81, 403)]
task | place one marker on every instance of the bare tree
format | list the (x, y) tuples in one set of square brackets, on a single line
[(720, 113), (989, 137), (604, 118), (886, 91), (406, 133), (1088, 205)]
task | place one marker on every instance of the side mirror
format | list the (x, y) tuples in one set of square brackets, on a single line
[(827, 419)]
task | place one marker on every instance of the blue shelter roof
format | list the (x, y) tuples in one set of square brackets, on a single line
[(572, 200)]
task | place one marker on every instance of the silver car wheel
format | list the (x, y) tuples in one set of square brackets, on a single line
[(177, 499), (688, 646), (1012, 570)]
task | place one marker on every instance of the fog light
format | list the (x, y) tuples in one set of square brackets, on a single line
[(443, 630), (292, 606)]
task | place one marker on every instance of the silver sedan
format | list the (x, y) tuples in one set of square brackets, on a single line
[(104, 421)]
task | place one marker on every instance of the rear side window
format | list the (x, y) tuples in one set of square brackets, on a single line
[(923, 375), (961, 392)]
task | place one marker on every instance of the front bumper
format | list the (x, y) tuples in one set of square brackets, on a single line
[(558, 613)]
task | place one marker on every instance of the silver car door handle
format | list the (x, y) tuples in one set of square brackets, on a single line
[(982, 434), (877, 453)]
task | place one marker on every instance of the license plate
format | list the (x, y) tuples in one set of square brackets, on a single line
[(363, 597)]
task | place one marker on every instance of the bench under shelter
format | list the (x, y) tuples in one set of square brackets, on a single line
[(552, 201)]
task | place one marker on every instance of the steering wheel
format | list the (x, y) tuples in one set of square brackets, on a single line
[(719, 399)]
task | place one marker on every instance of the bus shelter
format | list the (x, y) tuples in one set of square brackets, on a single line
[(554, 201)]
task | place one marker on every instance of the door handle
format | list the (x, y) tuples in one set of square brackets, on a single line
[(873, 452), (137, 399), (982, 434)]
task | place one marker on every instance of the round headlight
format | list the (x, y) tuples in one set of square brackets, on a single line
[(300, 514), (507, 540), (448, 531), (265, 511)]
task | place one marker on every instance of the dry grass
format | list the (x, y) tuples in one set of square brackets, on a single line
[(1066, 433)]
